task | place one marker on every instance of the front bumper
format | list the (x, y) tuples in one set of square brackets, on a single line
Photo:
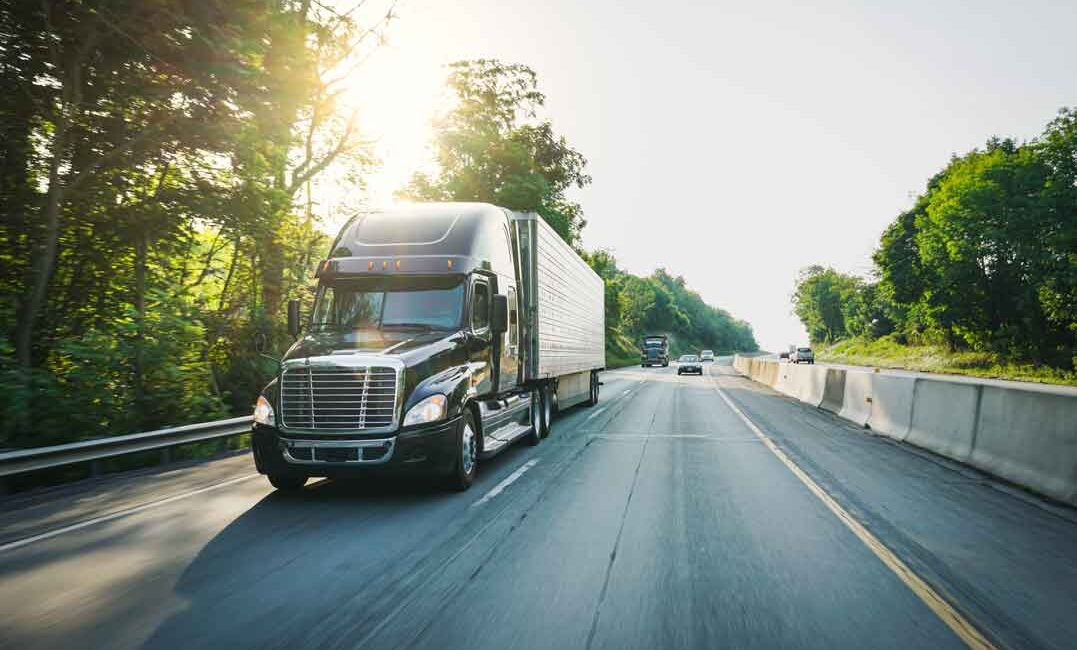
[(423, 449)]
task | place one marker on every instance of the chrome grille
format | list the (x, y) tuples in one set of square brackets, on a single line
[(339, 397)]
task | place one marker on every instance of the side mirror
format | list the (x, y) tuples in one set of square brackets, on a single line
[(293, 318), (499, 319)]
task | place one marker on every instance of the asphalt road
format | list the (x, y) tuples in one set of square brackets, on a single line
[(682, 512)]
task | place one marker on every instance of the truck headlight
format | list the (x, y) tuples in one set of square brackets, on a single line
[(430, 409), (263, 412)]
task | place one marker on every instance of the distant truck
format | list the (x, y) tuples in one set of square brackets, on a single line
[(654, 351), (440, 334), (802, 355)]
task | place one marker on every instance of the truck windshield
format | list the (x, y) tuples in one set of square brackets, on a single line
[(433, 303)]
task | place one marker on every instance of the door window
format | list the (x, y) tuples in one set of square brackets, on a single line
[(514, 330), (480, 306)]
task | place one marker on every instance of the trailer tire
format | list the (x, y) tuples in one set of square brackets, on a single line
[(592, 397)]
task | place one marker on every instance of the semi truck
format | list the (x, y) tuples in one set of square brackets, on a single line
[(654, 351), (440, 334)]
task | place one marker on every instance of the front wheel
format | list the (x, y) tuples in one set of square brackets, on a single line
[(467, 455), (287, 482)]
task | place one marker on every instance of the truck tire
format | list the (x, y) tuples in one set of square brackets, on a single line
[(467, 454), (592, 398), (287, 482), (535, 414), (547, 409)]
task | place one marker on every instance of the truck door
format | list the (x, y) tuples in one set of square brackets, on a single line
[(510, 345), (481, 354)]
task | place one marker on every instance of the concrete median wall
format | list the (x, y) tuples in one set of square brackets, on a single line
[(891, 405), (1028, 438), (833, 390), (1025, 436), (857, 397), (944, 415)]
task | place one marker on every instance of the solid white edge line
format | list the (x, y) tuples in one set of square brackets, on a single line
[(56, 532), (507, 481), (942, 608)]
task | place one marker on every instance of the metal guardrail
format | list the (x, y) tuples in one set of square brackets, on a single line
[(32, 460)]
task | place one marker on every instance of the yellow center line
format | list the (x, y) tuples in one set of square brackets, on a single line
[(946, 612)]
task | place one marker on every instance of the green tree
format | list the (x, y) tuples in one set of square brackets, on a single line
[(492, 147)]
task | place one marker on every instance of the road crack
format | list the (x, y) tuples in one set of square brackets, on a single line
[(616, 547)]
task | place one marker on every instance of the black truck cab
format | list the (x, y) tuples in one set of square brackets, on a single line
[(411, 357)]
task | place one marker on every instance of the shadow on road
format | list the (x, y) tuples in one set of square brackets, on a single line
[(315, 565)]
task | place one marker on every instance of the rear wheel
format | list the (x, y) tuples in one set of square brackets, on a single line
[(287, 482), (547, 410), (467, 455), (535, 414)]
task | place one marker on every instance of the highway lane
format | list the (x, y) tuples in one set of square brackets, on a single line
[(657, 519)]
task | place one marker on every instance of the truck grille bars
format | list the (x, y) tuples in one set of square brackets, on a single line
[(339, 398)]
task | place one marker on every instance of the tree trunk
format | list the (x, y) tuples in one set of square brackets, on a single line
[(140, 325)]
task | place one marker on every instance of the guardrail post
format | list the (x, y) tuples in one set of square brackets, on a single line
[(5, 489), (166, 455), (95, 468)]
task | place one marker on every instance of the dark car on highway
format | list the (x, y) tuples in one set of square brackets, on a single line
[(689, 364)]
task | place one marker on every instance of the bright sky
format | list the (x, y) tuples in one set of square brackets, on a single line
[(735, 143)]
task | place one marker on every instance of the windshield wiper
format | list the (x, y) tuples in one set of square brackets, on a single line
[(425, 327)]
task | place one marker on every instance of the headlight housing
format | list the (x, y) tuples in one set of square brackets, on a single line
[(263, 412), (430, 409)]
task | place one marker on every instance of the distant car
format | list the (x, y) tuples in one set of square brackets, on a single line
[(689, 363), (783, 355), (706, 355), (802, 355)]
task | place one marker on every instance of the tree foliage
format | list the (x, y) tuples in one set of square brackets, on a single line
[(492, 147), (156, 157), (985, 260)]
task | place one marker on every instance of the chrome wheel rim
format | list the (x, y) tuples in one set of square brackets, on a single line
[(468, 449)]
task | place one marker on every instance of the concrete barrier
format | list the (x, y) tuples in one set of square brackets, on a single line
[(891, 405), (833, 390), (944, 415), (811, 383), (857, 398), (1029, 438)]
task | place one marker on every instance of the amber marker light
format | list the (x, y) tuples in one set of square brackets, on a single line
[(450, 263), (370, 265), (397, 265), (384, 264)]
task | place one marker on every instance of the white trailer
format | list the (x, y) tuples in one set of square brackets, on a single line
[(564, 312)]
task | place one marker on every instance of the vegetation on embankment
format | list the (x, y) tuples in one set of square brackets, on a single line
[(886, 352), (978, 277)]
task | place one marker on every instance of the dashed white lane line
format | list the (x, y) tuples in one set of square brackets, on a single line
[(595, 414), (56, 532), (507, 481)]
